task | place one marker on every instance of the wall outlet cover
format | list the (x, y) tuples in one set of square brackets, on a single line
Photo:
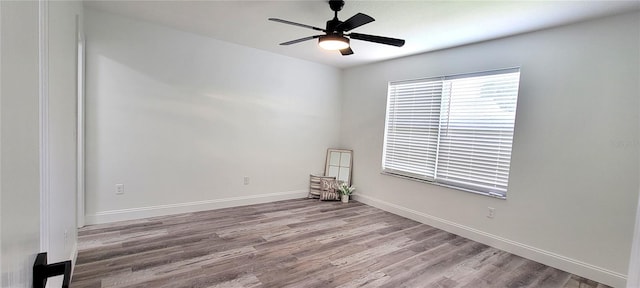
[(119, 189)]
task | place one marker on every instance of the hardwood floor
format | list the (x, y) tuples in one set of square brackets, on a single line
[(298, 243)]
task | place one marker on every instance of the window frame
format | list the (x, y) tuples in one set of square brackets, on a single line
[(435, 180)]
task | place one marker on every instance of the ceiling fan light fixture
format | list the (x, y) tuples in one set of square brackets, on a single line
[(334, 38), (333, 42)]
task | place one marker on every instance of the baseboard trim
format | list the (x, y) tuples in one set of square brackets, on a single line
[(169, 209), (561, 262)]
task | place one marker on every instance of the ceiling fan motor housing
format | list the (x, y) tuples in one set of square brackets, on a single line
[(336, 5), (331, 26)]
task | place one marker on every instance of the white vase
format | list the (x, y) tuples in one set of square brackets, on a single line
[(345, 198)]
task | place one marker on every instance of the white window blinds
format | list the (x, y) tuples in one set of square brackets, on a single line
[(453, 130)]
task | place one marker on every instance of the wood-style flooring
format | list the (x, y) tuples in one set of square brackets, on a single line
[(298, 243)]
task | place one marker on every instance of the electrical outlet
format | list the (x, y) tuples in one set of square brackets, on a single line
[(119, 189), (492, 212), (246, 180)]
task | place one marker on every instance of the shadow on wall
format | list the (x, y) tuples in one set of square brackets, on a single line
[(177, 117)]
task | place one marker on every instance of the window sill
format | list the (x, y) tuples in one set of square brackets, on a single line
[(497, 196)]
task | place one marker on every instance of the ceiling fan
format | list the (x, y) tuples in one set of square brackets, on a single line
[(335, 37)]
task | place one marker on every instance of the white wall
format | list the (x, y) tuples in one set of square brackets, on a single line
[(19, 178), (573, 186), (62, 131), (180, 119)]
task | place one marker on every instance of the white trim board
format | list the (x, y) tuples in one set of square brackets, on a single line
[(80, 119), (561, 262), (43, 102), (169, 209), (1, 146), (633, 277), (633, 280), (74, 258)]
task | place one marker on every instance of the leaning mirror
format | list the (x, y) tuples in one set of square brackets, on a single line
[(338, 164)]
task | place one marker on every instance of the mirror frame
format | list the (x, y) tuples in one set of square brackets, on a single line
[(328, 161)]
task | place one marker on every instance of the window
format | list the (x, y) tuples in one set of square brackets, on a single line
[(454, 130)]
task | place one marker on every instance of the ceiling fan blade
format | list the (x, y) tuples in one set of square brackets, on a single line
[(377, 39), (300, 40), (346, 51), (354, 22), (296, 24)]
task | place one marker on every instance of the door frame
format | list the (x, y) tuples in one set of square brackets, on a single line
[(80, 212), (43, 102), (633, 274)]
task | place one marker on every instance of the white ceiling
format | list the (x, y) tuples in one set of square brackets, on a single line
[(425, 25)]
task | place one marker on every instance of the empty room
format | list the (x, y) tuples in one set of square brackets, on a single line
[(319, 143)]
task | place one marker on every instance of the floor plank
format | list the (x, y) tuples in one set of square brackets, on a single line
[(298, 243)]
